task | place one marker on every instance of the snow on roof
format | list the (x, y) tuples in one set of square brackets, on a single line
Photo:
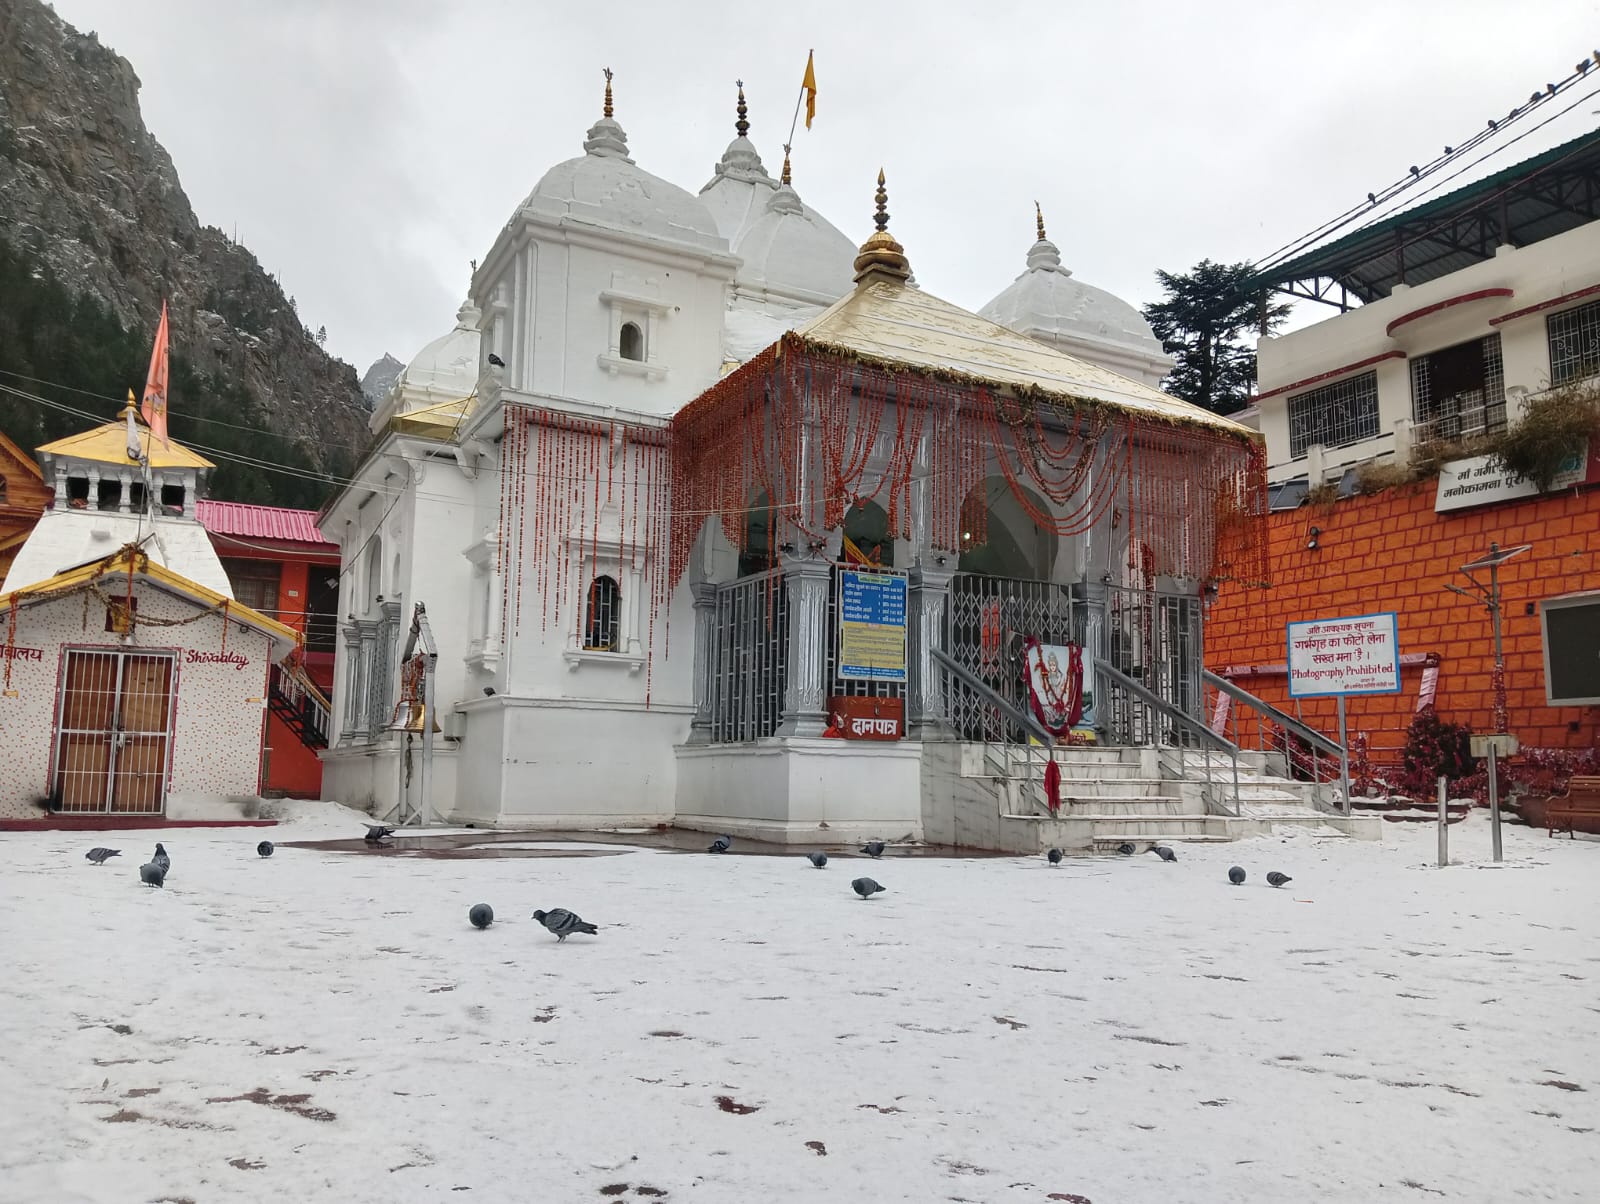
[(260, 522)]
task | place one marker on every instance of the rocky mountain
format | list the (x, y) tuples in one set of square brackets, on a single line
[(380, 378), (93, 219)]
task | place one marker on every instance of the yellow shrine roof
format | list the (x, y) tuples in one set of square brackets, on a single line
[(887, 322), (108, 444), (441, 420)]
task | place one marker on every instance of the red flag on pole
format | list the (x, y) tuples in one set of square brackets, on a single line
[(154, 408)]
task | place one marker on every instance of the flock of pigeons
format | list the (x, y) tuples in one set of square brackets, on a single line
[(562, 923)]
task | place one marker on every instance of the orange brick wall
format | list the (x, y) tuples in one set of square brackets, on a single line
[(1390, 551)]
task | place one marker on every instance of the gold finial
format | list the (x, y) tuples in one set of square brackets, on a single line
[(1038, 214), (881, 255), (607, 70), (784, 178), (743, 124)]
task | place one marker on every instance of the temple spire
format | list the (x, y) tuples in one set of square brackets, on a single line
[(607, 112), (784, 178), (606, 137), (881, 256), (1038, 214), (742, 125)]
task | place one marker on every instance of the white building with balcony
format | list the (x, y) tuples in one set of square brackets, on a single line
[(1453, 313)]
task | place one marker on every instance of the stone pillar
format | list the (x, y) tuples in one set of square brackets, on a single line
[(60, 502), (928, 609), (94, 489), (804, 698), (191, 485), (124, 492), (705, 619), (491, 630)]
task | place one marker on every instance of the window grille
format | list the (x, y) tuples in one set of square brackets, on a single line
[(1459, 391), (1334, 415), (749, 657), (1574, 336), (601, 614), (255, 583)]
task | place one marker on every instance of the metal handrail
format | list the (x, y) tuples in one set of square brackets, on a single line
[(1209, 740), (983, 690), (1309, 734)]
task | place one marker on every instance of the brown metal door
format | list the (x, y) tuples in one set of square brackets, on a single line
[(112, 735)]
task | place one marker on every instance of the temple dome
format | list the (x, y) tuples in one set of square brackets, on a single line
[(604, 187), (793, 250), (1047, 302), (443, 371)]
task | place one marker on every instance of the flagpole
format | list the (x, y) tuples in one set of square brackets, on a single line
[(798, 101)]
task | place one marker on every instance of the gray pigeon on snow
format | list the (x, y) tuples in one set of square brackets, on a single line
[(99, 855), (873, 848), (865, 887), (1054, 856), (162, 859), (720, 845), (1125, 849), (1161, 851), (564, 923), (1236, 875), (264, 849), (817, 859), (1276, 879), (152, 874), (377, 832)]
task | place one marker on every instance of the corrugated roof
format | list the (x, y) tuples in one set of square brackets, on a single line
[(1534, 198), (260, 522), (886, 322)]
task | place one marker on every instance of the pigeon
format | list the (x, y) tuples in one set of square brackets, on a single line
[(563, 923), (1054, 856), (818, 859), (99, 855), (720, 845), (377, 832), (265, 848), (1161, 851), (1236, 875), (481, 915), (1125, 849), (152, 874), (161, 859), (873, 848), (496, 360), (865, 887), (1276, 879)]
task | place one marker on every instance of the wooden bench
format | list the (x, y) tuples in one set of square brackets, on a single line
[(1581, 801)]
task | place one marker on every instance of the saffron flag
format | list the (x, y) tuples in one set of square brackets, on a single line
[(809, 86), (154, 408)]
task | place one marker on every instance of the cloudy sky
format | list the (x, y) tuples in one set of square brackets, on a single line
[(367, 150)]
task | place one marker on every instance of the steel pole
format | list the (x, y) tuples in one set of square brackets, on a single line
[(1494, 798), (1444, 824), (1344, 758)]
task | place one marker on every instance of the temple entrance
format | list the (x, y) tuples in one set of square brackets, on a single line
[(111, 732), (999, 538), (990, 622)]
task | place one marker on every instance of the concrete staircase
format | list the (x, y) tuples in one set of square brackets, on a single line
[(1111, 796)]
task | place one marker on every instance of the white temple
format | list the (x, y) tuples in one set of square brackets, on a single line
[(609, 652)]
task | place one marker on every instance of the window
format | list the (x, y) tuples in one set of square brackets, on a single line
[(630, 344), (757, 554), (1459, 391), (255, 583), (109, 496), (1574, 336), (374, 571), (322, 608), (601, 614), (1334, 415)]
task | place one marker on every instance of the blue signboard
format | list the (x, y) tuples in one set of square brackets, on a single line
[(872, 626)]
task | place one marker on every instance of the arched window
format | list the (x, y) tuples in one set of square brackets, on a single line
[(999, 537), (867, 535), (631, 343), (601, 615), (757, 554), (374, 571)]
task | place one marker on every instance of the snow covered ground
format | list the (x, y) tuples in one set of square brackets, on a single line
[(327, 1027)]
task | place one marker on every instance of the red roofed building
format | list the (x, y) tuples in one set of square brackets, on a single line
[(278, 563)]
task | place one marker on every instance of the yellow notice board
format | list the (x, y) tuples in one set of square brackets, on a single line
[(872, 626)]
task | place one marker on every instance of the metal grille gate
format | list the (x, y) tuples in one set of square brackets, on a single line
[(112, 732), (1155, 638), (749, 658), (989, 622)]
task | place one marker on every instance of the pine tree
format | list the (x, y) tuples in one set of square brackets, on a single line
[(1208, 323)]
